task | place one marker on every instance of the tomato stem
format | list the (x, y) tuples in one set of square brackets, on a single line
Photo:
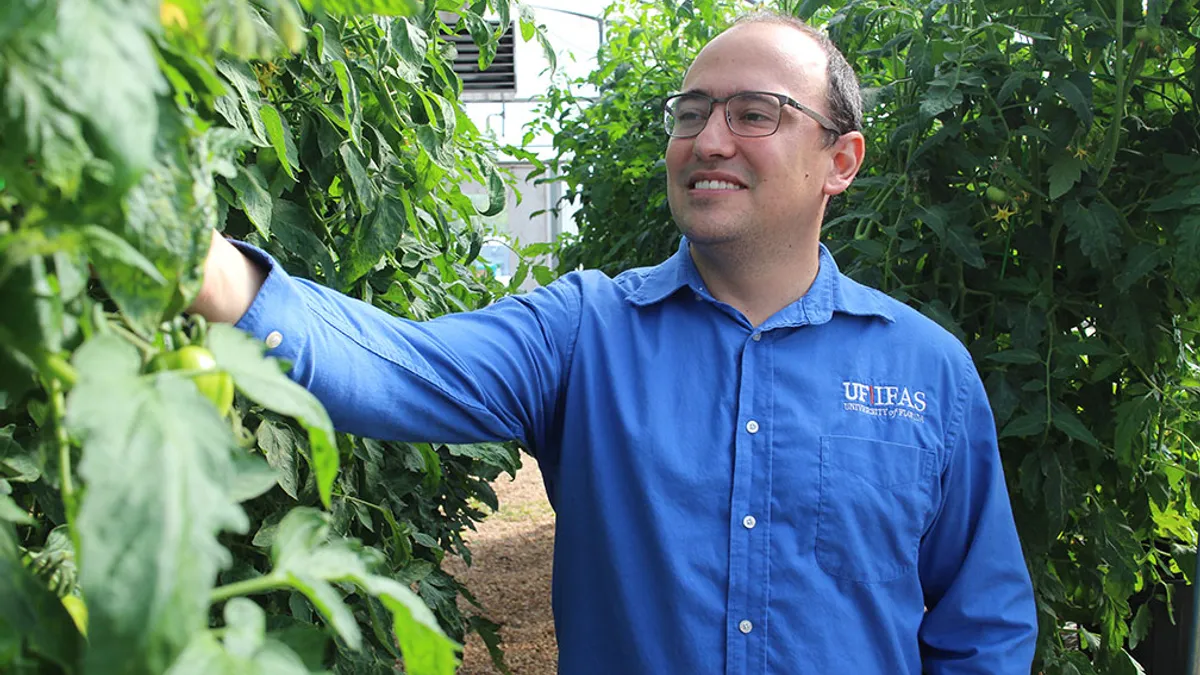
[(61, 371), (136, 340), (265, 584), (58, 402)]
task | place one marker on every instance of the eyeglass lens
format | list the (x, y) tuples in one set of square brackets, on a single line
[(748, 114)]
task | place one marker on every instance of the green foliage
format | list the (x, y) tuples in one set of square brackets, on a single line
[(1031, 182), (610, 149), (1077, 295), (334, 140)]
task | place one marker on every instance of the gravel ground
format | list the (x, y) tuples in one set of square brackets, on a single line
[(513, 555)]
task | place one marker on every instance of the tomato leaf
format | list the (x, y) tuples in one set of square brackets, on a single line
[(1132, 417), (1064, 173), (1138, 263), (426, 649), (1025, 425), (281, 139), (279, 446), (496, 454), (261, 381), (1187, 251), (1070, 424), (109, 43), (351, 108), (30, 613), (11, 513), (1080, 99), (253, 198), (244, 102), (168, 215), (252, 477), (942, 95), (246, 649), (481, 35), (1140, 628), (81, 71), (1054, 490), (1016, 356), (36, 119), (157, 465), (497, 197), (410, 43), (364, 187), (304, 554), (1097, 229), (31, 324), (361, 7), (111, 250), (377, 235), (528, 21)]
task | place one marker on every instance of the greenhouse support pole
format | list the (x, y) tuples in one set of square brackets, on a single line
[(1193, 667)]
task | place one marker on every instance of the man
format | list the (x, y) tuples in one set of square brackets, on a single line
[(758, 466)]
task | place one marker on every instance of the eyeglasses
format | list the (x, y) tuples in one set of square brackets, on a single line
[(748, 113)]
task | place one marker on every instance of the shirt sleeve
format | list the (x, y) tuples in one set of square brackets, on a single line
[(981, 617), (490, 375)]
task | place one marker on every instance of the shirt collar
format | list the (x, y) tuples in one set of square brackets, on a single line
[(830, 292)]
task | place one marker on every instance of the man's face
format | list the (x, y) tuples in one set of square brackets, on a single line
[(779, 180)]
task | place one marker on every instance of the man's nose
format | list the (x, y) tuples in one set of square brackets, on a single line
[(715, 139)]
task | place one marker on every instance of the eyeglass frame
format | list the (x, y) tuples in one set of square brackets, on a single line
[(783, 99)]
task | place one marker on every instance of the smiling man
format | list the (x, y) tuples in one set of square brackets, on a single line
[(758, 466)]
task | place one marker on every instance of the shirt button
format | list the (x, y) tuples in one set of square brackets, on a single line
[(274, 339), (749, 522), (752, 427), (745, 626), (756, 337)]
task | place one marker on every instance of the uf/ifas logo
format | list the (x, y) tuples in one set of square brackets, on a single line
[(885, 400)]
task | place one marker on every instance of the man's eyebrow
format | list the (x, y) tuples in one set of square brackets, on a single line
[(702, 92)]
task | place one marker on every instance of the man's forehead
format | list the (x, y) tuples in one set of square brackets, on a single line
[(757, 56)]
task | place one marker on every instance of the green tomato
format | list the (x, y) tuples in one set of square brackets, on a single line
[(216, 386), (997, 195), (1149, 34)]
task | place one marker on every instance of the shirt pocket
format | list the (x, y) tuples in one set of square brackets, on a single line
[(874, 505)]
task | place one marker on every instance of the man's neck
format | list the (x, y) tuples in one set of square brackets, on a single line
[(757, 283)]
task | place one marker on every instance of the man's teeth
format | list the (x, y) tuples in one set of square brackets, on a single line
[(717, 185)]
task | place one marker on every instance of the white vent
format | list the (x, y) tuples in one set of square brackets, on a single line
[(499, 81)]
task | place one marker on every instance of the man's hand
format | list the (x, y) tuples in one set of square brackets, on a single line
[(231, 282)]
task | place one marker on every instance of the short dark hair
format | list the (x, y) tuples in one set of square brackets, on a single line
[(842, 93)]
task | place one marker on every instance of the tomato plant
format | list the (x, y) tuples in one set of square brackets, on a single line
[(186, 531)]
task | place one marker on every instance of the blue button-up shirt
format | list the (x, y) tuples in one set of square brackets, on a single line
[(818, 494)]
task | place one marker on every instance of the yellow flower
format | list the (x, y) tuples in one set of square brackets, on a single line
[(1002, 213), (171, 14), (1080, 153)]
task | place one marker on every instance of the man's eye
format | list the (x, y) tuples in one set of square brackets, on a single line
[(757, 119), (688, 116), (757, 116)]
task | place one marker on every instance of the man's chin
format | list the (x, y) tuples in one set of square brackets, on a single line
[(708, 234)]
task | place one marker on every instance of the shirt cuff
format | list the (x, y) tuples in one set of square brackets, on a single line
[(269, 318)]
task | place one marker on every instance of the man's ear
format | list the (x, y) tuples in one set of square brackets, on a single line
[(845, 159)]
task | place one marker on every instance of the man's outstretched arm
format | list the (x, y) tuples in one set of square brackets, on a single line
[(488, 375)]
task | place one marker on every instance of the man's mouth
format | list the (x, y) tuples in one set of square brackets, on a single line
[(716, 185)]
